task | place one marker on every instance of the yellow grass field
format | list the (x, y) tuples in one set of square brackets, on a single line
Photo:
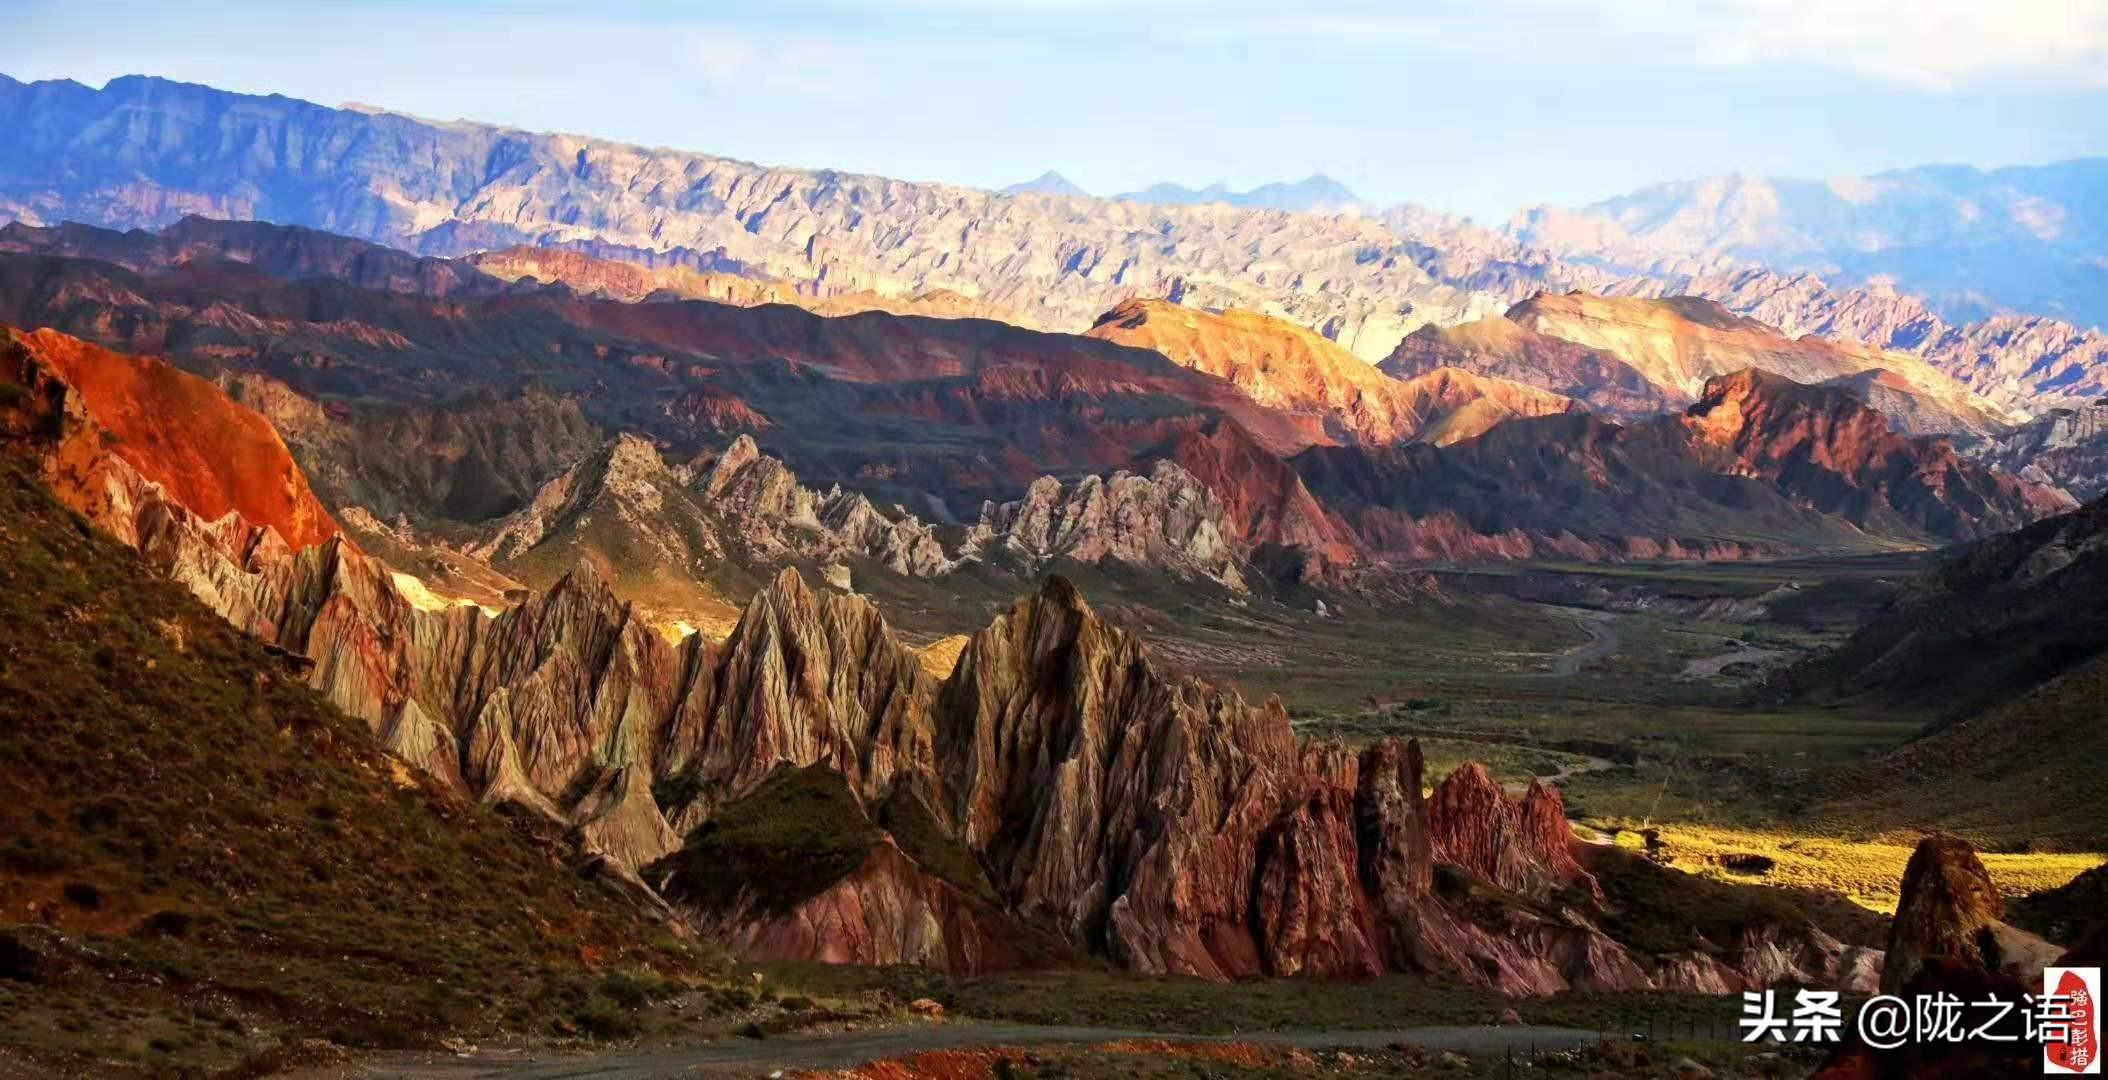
[(1867, 872)]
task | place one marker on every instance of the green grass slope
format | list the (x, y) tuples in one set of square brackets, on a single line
[(201, 860)]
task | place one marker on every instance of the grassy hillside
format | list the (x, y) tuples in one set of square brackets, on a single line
[(200, 859), (2020, 776)]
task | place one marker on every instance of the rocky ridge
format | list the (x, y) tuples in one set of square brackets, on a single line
[(636, 517), (1049, 260), (1166, 824), (1284, 366), (2061, 448), (1680, 342)]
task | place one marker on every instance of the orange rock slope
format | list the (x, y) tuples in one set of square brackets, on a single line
[(1284, 366), (1680, 342), (179, 431)]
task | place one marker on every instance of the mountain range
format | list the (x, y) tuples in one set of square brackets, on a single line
[(144, 152), (460, 580), (1975, 242), (928, 418)]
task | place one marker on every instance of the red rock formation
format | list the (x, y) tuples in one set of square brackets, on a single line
[(1128, 811), (1525, 847), (1504, 349), (1947, 938), (1264, 501), (177, 430), (1843, 457), (886, 911)]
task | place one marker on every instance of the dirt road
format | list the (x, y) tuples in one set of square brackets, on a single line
[(760, 1057), (1602, 641)]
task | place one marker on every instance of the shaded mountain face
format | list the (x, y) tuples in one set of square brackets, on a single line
[(2025, 237), (900, 406), (1058, 790), (468, 460), (2004, 615), (1283, 366), (932, 415), (140, 721), (1501, 348), (2062, 448), (2006, 646), (1680, 342), (616, 278), (143, 152)]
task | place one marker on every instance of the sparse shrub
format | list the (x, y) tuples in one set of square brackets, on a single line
[(604, 1019), (83, 895), (170, 923)]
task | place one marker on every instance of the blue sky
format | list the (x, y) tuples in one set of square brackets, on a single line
[(1477, 108)]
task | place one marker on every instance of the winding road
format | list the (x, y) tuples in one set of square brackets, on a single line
[(760, 1057), (1602, 641)]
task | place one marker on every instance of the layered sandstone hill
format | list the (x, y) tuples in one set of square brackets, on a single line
[(2017, 360), (1503, 349), (2063, 448), (1285, 366), (617, 279), (900, 405), (1071, 793), (1761, 465), (920, 412), (1835, 452), (1680, 342), (174, 429)]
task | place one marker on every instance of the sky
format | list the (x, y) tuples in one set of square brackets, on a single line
[(1478, 108)]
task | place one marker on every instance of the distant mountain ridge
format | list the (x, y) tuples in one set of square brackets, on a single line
[(145, 152), (1047, 183), (2031, 238), (1317, 193)]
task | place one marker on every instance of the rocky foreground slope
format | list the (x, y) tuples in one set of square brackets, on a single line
[(1108, 805), (206, 866)]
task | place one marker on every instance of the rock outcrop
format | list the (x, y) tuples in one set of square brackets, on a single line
[(1949, 914), (1285, 366), (176, 430), (1680, 343), (1502, 348), (2061, 448), (1835, 453), (673, 526)]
